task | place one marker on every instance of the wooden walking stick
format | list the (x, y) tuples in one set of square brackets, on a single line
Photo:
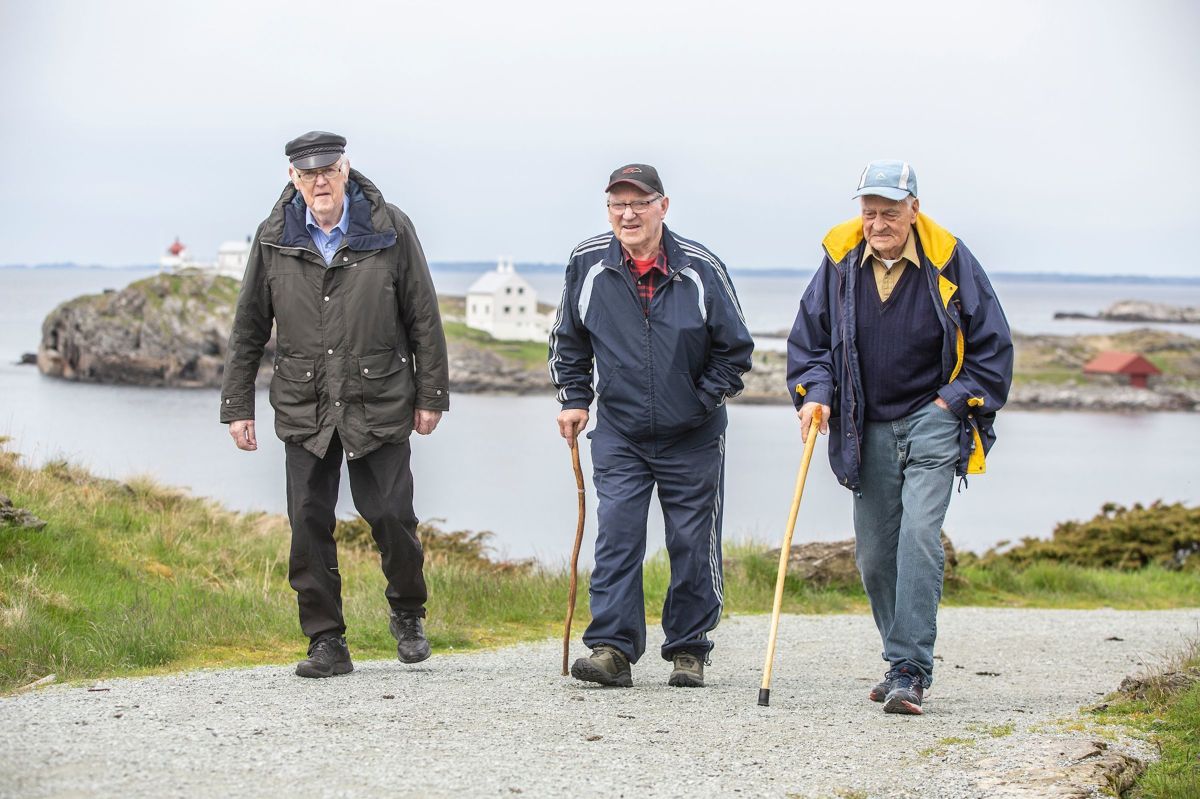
[(574, 552), (764, 692)]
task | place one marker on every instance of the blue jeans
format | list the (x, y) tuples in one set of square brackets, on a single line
[(907, 477)]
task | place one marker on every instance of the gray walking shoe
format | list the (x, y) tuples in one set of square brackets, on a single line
[(883, 687), (908, 691), (607, 665), (409, 631), (688, 672), (326, 657)]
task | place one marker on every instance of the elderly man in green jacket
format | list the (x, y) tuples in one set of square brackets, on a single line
[(360, 363)]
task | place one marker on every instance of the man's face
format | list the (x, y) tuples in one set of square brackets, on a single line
[(323, 189), (886, 223), (637, 232)]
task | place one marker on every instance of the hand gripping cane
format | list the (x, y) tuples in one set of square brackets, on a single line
[(574, 553), (764, 693)]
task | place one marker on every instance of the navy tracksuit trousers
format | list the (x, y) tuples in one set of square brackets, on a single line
[(690, 476)]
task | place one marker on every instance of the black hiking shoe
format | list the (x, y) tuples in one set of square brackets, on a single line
[(326, 657), (907, 691), (409, 631), (882, 688), (607, 666), (688, 672)]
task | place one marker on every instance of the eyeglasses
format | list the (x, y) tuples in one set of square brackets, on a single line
[(309, 176), (638, 206)]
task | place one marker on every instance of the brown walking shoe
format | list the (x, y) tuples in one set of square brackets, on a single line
[(607, 665), (688, 672)]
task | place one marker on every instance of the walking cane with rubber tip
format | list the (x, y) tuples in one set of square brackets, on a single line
[(574, 552), (764, 692)]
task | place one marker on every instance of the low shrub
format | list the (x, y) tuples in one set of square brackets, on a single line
[(1166, 535)]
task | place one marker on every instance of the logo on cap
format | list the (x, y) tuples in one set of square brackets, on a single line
[(629, 170)]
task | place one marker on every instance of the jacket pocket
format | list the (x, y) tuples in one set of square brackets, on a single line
[(679, 407), (387, 389), (294, 398), (623, 403)]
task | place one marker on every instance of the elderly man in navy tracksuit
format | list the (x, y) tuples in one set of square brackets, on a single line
[(655, 318), (901, 335)]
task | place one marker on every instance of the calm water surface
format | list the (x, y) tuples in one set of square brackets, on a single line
[(497, 463)]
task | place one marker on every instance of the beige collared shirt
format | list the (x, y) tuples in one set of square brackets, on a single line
[(885, 278)]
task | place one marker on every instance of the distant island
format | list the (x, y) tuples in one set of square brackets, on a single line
[(172, 330), (1139, 311)]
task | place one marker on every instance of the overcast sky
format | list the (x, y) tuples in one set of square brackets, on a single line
[(1048, 136)]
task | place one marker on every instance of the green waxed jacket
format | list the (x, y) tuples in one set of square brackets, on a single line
[(359, 343)]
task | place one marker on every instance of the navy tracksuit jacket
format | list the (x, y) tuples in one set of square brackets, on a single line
[(660, 382)]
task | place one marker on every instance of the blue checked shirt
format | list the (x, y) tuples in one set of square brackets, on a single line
[(328, 243)]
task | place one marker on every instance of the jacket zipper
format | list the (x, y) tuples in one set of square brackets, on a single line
[(645, 312), (848, 343)]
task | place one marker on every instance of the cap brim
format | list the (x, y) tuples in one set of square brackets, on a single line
[(638, 183), (883, 191), (316, 161)]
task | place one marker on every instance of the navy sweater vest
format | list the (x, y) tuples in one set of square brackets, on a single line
[(899, 345)]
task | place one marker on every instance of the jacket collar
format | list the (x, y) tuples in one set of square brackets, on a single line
[(614, 256), (369, 226), (935, 241)]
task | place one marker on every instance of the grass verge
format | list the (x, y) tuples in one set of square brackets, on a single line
[(1165, 707)]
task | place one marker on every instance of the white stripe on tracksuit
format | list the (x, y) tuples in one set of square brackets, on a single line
[(586, 246), (714, 546), (719, 269)]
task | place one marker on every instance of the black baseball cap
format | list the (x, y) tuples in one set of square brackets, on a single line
[(315, 149), (644, 176)]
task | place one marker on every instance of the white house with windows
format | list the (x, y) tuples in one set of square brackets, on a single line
[(503, 303), (232, 258)]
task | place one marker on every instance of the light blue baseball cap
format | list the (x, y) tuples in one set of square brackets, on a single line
[(892, 179)]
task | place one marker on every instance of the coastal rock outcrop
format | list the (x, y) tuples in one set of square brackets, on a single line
[(166, 330), (823, 564)]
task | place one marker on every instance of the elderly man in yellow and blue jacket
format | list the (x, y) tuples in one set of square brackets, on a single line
[(901, 342)]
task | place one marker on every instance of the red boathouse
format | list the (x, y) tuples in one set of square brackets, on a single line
[(1132, 364)]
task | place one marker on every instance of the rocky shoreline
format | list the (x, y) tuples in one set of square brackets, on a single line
[(1138, 311), (172, 331)]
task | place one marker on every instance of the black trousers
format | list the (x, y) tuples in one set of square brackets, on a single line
[(382, 486)]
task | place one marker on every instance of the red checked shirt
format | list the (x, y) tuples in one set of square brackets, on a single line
[(646, 275)]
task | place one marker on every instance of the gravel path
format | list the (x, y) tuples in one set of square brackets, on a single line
[(503, 723)]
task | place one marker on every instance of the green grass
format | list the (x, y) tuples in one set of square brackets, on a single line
[(1166, 709), (1059, 585), (943, 746), (529, 354)]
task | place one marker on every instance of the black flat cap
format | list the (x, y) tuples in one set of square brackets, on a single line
[(315, 149), (644, 176)]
